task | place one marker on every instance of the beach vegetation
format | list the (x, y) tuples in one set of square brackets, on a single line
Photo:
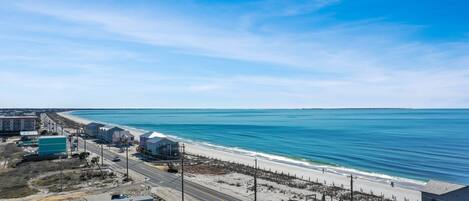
[(19, 173)]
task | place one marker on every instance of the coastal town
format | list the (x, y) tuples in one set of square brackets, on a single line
[(48, 154), (234, 100)]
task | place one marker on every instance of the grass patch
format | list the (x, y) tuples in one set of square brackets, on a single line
[(16, 191), (73, 180)]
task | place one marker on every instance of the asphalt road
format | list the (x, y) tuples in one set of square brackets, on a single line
[(160, 178)]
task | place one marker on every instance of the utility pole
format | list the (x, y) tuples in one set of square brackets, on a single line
[(182, 172), (78, 140), (102, 155), (351, 187), (85, 142), (127, 156), (70, 142), (86, 136), (255, 179), (61, 174)]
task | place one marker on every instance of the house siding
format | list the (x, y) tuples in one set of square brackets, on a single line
[(93, 129), (162, 148)]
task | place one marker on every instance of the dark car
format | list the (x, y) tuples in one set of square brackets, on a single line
[(118, 196), (116, 159)]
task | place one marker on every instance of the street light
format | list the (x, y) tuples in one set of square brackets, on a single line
[(126, 155)]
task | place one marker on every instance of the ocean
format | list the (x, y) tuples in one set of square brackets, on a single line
[(417, 144)]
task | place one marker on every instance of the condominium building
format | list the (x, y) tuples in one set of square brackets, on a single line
[(10, 124)]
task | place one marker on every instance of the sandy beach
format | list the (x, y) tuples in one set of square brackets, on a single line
[(403, 189)]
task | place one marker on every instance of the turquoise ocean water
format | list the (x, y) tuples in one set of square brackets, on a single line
[(418, 144)]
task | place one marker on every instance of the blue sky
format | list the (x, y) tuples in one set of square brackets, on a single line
[(234, 54)]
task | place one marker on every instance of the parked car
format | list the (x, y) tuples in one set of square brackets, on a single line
[(118, 196)]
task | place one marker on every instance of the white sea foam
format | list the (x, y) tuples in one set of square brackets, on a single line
[(371, 176)]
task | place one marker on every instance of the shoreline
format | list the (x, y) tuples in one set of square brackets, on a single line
[(332, 175)]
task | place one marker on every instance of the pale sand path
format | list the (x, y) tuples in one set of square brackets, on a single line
[(377, 188)]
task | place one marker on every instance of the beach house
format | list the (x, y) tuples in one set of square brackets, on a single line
[(92, 129), (443, 191), (159, 146), (114, 135), (105, 133)]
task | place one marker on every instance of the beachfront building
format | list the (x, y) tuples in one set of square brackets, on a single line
[(159, 146), (92, 129), (146, 136), (115, 135), (443, 191), (15, 124), (52, 146)]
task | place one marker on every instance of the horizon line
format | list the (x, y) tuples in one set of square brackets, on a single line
[(235, 108)]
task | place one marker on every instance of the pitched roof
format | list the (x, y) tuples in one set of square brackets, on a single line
[(95, 124), (440, 187), (156, 134), (153, 135), (116, 129), (147, 134)]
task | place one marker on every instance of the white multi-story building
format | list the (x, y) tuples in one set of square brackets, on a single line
[(17, 123)]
